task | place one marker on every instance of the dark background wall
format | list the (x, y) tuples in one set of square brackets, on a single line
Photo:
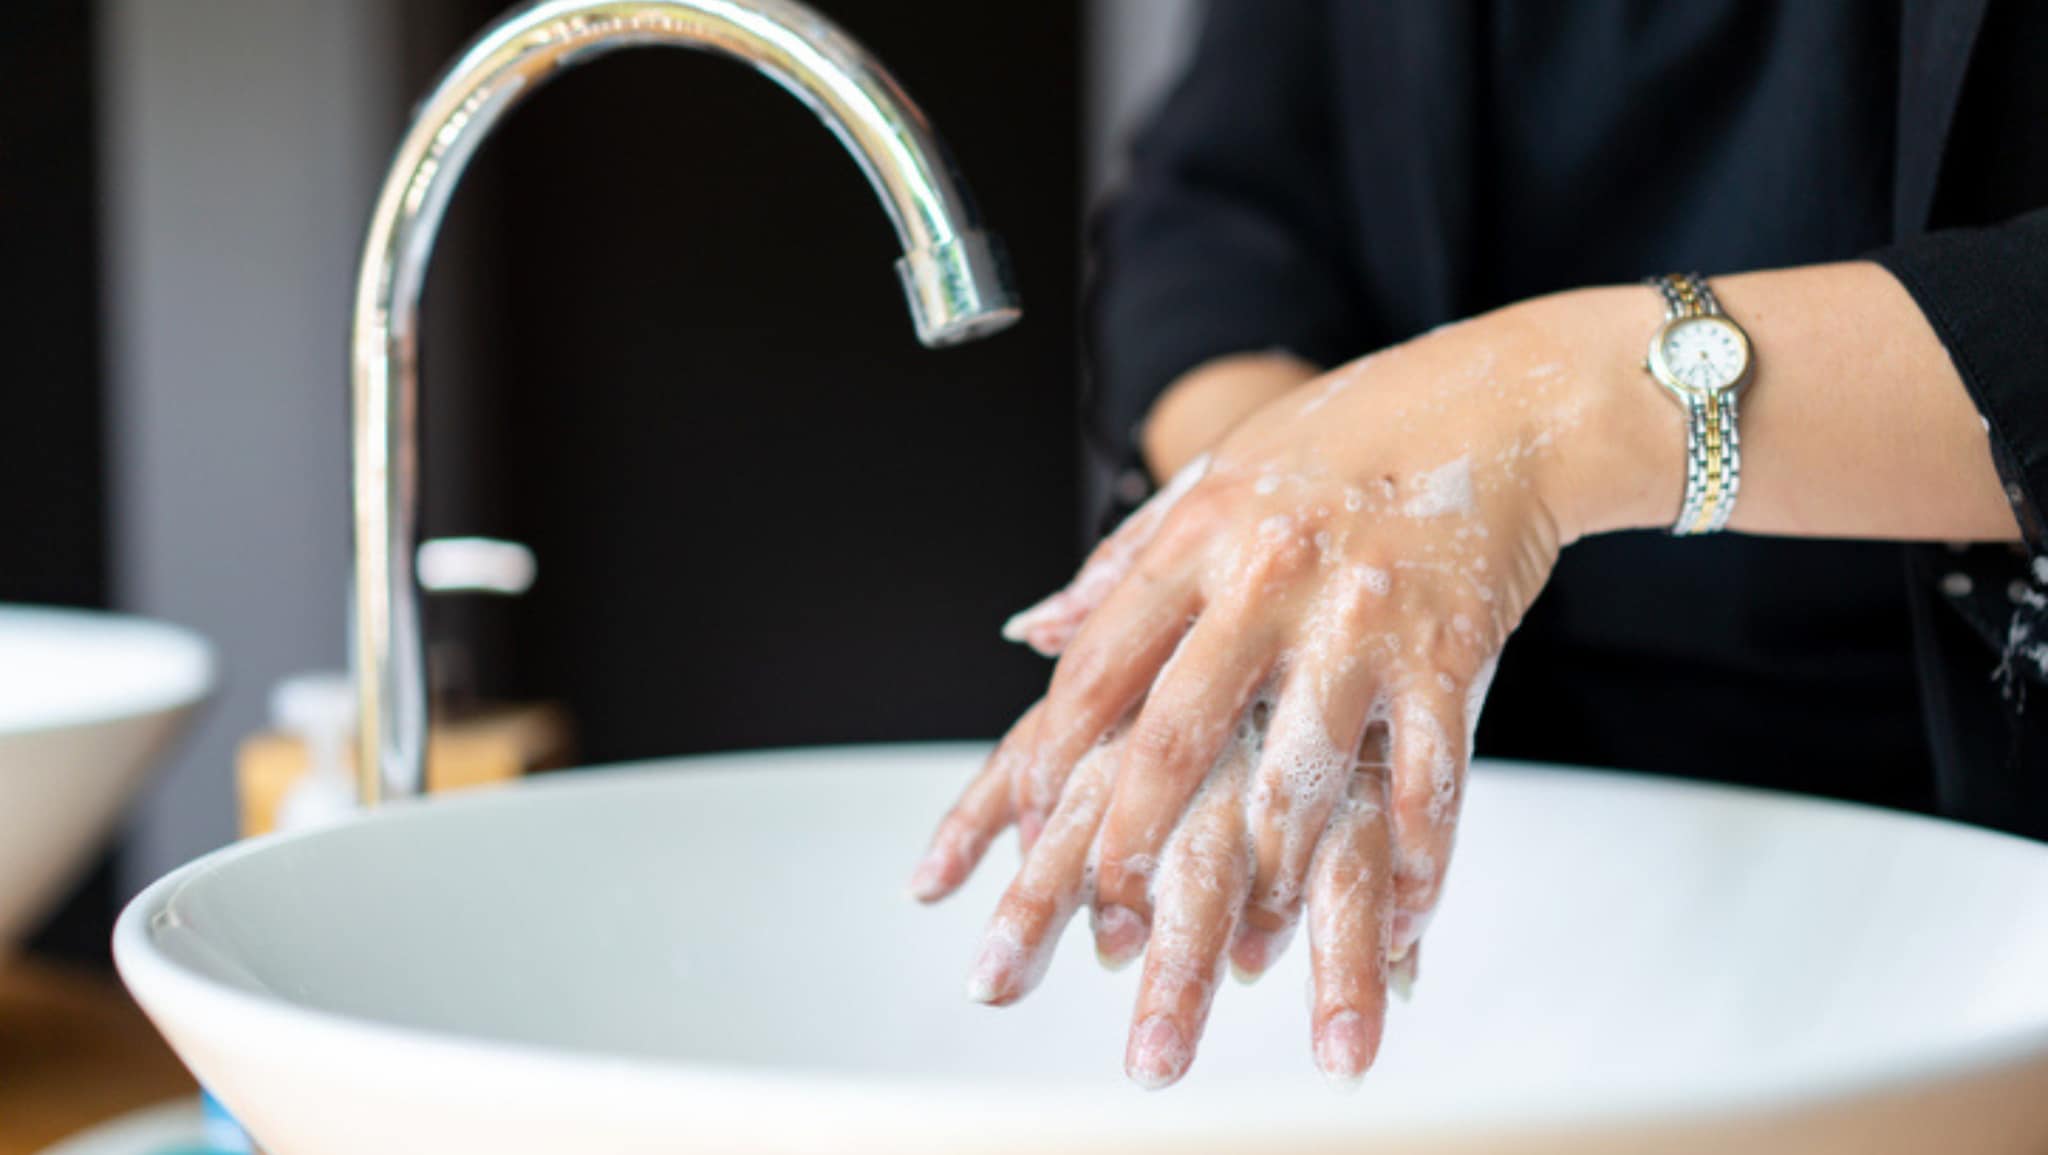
[(52, 531), (764, 514), (52, 459)]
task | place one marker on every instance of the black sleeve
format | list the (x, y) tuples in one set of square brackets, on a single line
[(1227, 237), (1985, 292)]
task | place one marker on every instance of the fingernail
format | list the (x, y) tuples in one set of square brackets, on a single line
[(1158, 1055), (1021, 623), (1017, 627), (994, 971), (928, 881), (1248, 957), (1344, 1049), (1119, 936), (1256, 951), (1408, 928), (1401, 974)]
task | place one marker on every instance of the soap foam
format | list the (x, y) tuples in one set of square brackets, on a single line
[(1418, 729), (1475, 699), (1443, 491)]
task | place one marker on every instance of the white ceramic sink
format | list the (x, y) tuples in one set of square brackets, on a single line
[(86, 701), (716, 954)]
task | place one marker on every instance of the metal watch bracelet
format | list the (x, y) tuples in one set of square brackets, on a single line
[(1713, 447)]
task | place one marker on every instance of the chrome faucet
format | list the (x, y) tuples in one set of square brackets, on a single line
[(953, 274)]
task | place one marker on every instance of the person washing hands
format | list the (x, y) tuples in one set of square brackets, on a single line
[(1269, 677)]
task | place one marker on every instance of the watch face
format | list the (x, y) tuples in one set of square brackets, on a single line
[(1705, 353)]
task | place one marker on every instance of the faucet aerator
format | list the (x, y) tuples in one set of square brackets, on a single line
[(959, 289)]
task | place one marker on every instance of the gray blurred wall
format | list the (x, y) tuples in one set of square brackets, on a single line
[(1135, 50), (242, 143)]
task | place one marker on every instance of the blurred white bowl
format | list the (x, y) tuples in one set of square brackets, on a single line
[(86, 701), (716, 954)]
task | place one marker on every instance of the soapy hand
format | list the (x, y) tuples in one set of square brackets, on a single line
[(1267, 685)]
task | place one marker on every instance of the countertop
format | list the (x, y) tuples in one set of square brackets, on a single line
[(75, 1051)]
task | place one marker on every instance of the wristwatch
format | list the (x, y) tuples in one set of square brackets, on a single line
[(1702, 358)]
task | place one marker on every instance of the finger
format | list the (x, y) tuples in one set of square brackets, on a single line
[(1350, 924), (1313, 743), (1428, 735), (1051, 624), (1256, 949), (981, 813), (1048, 888), (1203, 877), (1196, 709), (1097, 683)]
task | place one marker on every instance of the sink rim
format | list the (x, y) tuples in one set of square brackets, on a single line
[(379, 1051), (191, 661)]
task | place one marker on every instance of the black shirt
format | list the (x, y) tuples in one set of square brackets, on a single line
[(1333, 176)]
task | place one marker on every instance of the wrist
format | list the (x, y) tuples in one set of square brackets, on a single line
[(1620, 460)]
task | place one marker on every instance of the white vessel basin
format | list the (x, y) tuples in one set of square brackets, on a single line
[(716, 954), (86, 701)]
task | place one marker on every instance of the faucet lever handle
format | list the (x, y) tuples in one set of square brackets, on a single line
[(481, 565)]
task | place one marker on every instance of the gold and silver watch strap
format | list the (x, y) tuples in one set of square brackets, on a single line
[(1713, 447)]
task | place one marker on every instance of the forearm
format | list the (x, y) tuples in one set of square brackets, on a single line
[(1206, 402), (1855, 424)]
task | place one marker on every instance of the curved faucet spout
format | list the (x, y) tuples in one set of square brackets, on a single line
[(953, 274)]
